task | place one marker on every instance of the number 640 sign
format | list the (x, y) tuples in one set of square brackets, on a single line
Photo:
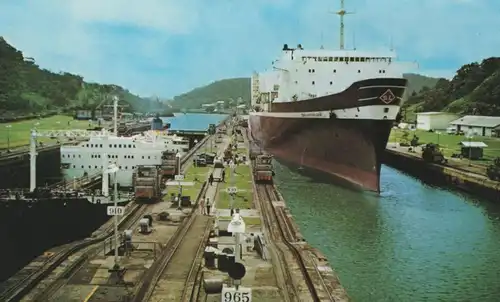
[(230, 294)]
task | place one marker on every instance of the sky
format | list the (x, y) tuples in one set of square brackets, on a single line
[(165, 47)]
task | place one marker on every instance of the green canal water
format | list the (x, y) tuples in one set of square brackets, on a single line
[(414, 242)]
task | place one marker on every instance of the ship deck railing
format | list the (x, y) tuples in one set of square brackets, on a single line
[(91, 195), (70, 188), (26, 194), (77, 183)]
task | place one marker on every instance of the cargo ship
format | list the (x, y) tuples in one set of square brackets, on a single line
[(329, 110)]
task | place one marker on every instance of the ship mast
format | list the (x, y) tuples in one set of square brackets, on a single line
[(342, 13), (115, 113)]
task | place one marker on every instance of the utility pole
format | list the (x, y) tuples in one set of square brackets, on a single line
[(115, 211), (233, 188), (196, 158), (115, 199), (179, 177), (33, 155)]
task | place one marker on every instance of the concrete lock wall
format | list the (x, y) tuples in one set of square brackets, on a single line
[(434, 174)]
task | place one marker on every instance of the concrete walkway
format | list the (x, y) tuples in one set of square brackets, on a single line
[(211, 192)]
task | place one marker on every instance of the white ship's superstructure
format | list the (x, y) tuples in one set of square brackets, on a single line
[(301, 75), (87, 158)]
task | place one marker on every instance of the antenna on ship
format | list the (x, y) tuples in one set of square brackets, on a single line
[(391, 44), (322, 45), (354, 40), (342, 13)]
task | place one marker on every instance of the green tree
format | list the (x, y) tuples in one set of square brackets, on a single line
[(27, 89)]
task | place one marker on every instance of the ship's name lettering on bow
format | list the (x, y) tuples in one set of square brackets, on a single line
[(311, 114)]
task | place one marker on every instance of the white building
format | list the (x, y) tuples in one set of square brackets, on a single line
[(478, 125), (434, 120)]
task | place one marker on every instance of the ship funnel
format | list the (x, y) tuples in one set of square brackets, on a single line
[(299, 46), (285, 47)]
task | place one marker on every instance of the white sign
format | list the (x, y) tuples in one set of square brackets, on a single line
[(180, 183), (179, 177), (230, 294), (115, 211), (232, 190)]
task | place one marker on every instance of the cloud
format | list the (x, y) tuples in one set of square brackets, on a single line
[(163, 16), (167, 47)]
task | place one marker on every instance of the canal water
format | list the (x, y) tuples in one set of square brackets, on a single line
[(414, 242), (193, 121)]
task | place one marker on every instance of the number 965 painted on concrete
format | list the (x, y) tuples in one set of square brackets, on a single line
[(230, 294)]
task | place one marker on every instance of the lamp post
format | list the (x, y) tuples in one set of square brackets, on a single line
[(8, 137), (205, 145), (115, 201), (196, 159), (113, 168), (179, 178), (232, 167)]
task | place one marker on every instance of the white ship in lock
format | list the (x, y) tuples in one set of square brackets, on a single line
[(93, 156)]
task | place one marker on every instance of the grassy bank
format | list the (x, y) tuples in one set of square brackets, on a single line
[(450, 143), (195, 174), (17, 134), (243, 181)]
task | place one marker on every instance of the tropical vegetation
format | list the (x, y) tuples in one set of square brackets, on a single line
[(26, 90), (474, 90)]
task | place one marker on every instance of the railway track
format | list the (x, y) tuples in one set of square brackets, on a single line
[(174, 274), (281, 232), (19, 288), (137, 213)]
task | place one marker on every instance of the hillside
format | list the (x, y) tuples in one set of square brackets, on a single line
[(417, 82), (475, 89), (222, 90), (26, 89), (240, 87)]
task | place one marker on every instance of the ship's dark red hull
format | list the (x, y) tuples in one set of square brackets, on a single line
[(343, 147)]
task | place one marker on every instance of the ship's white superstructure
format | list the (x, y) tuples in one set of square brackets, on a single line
[(300, 74), (305, 74), (86, 158)]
